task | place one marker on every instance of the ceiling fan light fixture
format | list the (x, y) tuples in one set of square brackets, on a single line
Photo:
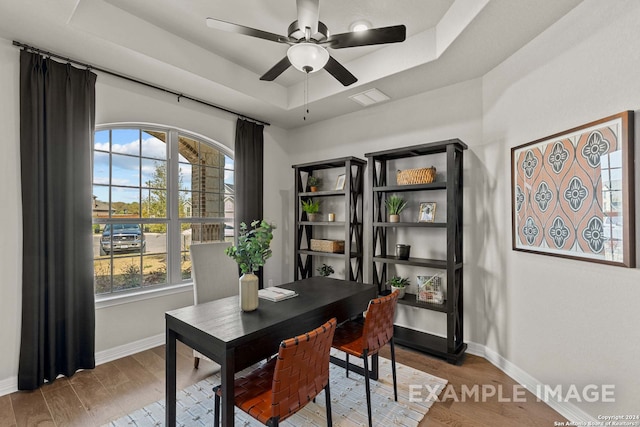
[(360, 25), (308, 57)]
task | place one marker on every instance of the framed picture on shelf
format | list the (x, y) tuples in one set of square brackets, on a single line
[(572, 193), (427, 212), (340, 182)]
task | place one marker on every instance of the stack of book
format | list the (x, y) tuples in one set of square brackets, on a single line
[(276, 294)]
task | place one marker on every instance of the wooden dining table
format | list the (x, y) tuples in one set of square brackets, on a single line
[(236, 339)]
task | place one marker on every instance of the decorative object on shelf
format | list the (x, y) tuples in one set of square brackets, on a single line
[(572, 193), (313, 182), (312, 208), (325, 270), (395, 205), (399, 284), (402, 251), (251, 253), (430, 289), (331, 217), (340, 182), (330, 246), (427, 212), (416, 176)]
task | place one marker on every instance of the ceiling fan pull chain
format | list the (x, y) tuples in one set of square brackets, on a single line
[(306, 95)]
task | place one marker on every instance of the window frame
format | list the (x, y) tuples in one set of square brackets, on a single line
[(174, 282)]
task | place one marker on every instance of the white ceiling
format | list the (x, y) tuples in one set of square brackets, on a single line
[(166, 42)]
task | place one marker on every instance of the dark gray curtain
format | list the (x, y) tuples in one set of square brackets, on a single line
[(249, 154), (57, 121)]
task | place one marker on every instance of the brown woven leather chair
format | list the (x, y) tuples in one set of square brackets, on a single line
[(285, 384), (365, 339)]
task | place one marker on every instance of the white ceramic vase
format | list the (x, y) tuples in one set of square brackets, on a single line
[(248, 292), (400, 291)]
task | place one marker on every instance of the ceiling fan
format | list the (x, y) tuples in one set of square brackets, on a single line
[(309, 39)]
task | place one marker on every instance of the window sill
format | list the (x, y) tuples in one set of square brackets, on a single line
[(104, 301)]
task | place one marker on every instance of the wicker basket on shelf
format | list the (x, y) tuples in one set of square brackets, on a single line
[(416, 176)]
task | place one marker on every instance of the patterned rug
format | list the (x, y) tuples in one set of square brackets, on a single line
[(348, 402)]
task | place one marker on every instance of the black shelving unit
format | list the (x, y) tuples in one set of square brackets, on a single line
[(353, 168), (451, 347)]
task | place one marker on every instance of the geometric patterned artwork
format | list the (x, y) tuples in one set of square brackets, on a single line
[(572, 193)]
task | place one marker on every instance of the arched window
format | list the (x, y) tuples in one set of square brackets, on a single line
[(155, 192)]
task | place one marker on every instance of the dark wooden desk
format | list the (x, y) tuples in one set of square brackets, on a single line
[(236, 340)]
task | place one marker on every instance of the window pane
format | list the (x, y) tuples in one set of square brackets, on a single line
[(102, 275), (100, 167), (186, 205), (154, 203), (125, 201), (229, 177), (154, 263), (207, 232), (126, 141), (188, 149), (126, 272), (100, 201), (154, 173), (101, 140), (125, 170), (154, 144), (185, 177), (212, 206)]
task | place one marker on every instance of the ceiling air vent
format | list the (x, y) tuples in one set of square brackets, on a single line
[(369, 97)]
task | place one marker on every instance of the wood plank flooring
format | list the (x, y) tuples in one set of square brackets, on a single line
[(93, 398)]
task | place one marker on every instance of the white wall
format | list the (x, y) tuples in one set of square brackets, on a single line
[(11, 212), (562, 321)]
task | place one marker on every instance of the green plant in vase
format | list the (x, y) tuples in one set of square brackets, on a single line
[(313, 182), (399, 284), (251, 253), (312, 208), (395, 205), (325, 270)]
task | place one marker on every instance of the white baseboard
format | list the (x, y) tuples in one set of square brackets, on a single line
[(129, 349), (10, 385), (566, 409)]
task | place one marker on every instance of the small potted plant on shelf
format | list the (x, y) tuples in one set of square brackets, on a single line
[(395, 205), (251, 253), (312, 208), (313, 182), (325, 270), (398, 283)]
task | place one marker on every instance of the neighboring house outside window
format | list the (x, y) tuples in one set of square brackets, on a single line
[(155, 192)]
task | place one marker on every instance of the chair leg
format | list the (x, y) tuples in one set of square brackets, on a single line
[(196, 362), (327, 395), (347, 365), (393, 369), (216, 407), (365, 358)]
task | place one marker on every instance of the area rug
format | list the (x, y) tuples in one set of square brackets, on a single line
[(416, 391)]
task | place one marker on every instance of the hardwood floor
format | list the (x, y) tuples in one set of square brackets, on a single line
[(93, 398)]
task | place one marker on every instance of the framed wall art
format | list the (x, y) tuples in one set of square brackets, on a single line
[(573, 193), (340, 182)]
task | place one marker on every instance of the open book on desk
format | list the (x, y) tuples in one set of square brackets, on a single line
[(276, 294)]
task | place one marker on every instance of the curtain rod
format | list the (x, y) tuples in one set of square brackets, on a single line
[(134, 80)]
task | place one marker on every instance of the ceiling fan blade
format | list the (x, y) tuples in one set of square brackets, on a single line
[(373, 36), (247, 31), (276, 70), (308, 15), (341, 74)]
